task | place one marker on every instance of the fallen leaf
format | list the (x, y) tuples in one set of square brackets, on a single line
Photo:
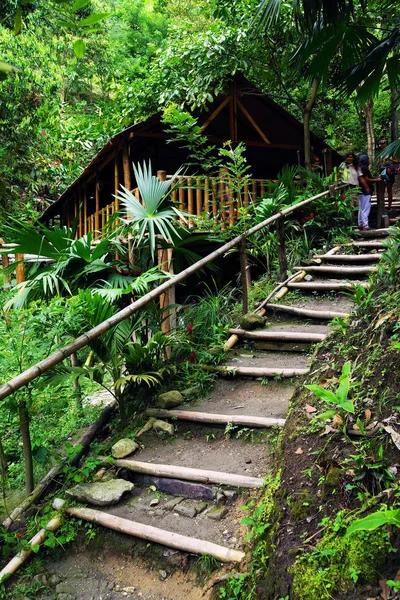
[(310, 409), (393, 434), (299, 451), (368, 414), (328, 429), (372, 425), (356, 427), (385, 593), (337, 420)]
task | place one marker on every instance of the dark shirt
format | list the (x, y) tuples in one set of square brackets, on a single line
[(367, 188)]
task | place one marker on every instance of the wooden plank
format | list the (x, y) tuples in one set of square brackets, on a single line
[(154, 534), (290, 336), (253, 123), (189, 474), (205, 417), (259, 371)]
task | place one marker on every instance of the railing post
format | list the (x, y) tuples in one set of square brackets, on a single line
[(380, 203), (280, 234), (20, 268), (243, 276)]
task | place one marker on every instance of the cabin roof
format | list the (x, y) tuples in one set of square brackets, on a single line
[(241, 113)]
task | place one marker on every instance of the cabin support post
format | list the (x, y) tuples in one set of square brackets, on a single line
[(165, 259), (126, 166), (20, 268), (280, 234), (380, 203), (85, 215), (116, 181), (243, 276), (97, 213)]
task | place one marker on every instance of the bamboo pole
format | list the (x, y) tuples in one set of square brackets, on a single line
[(154, 534), (214, 197), (206, 195), (231, 204), (20, 268), (22, 556), (182, 199), (280, 234), (243, 277), (374, 233), (340, 270), (233, 370), (42, 366), (189, 474), (351, 257), (254, 191), (116, 181), (325, 286), (190, 200), (126, 166), (290, 336), (307, 313), (199, 197), (205, 417)]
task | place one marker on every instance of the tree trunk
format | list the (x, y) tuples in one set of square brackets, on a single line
[(394, 115), (243, 274), (306, 119), (27, 448), (369, 125)]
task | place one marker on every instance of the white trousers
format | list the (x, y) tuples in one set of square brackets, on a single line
[(364, 207)]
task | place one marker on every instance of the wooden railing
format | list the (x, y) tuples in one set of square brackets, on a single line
[(162, 290)]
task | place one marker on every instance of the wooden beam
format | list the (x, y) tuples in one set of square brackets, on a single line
[(327, 286), (215, 113), (20, 268), (252, 121)]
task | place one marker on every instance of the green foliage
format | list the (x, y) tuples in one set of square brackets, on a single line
[(339, 398), (375, 520)]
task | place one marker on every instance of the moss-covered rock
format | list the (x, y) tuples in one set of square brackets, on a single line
[(303, 506), (170, 399), (252, 321)]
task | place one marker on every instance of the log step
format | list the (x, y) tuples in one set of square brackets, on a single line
[(205, 417), (189, 474), (375, 244), (341, 271), (352, 258), (319, 286), (233, 370), (280, 336), (307, 312), (374, 233), (153, 534)]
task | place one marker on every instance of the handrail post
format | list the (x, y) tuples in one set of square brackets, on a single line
[(280, 234), (380, 203), (20, 268), (243, 276)]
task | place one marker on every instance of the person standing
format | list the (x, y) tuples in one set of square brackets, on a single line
[(366, 190), (388, 168), (350, 170)]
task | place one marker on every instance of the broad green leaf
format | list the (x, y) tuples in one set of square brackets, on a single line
[(79, 48), (78, 4), (375, 520), (328, 414), (348, 406), (322, 393), (94, 18), (346, 369)]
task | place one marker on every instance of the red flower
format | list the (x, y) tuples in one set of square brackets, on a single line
[(190, 329), (193, 357)]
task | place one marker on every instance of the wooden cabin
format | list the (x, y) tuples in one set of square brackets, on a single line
[(243, 113)]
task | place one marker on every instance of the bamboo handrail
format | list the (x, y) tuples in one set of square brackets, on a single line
[(83, 340)]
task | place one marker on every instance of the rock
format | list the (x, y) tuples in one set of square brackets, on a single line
[(252, 321), (185, 510), (217, 514), (155, 502), (177, 487), (248, 461), (220, 498), (163, 426), (191, 393), (63, 588), (66, 597), (101, 493), (54, 579), (129, 589), (163, 575), (170, 504), (308, 278), (230, 495), (170, 399), (123, 448), (216, 350)]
